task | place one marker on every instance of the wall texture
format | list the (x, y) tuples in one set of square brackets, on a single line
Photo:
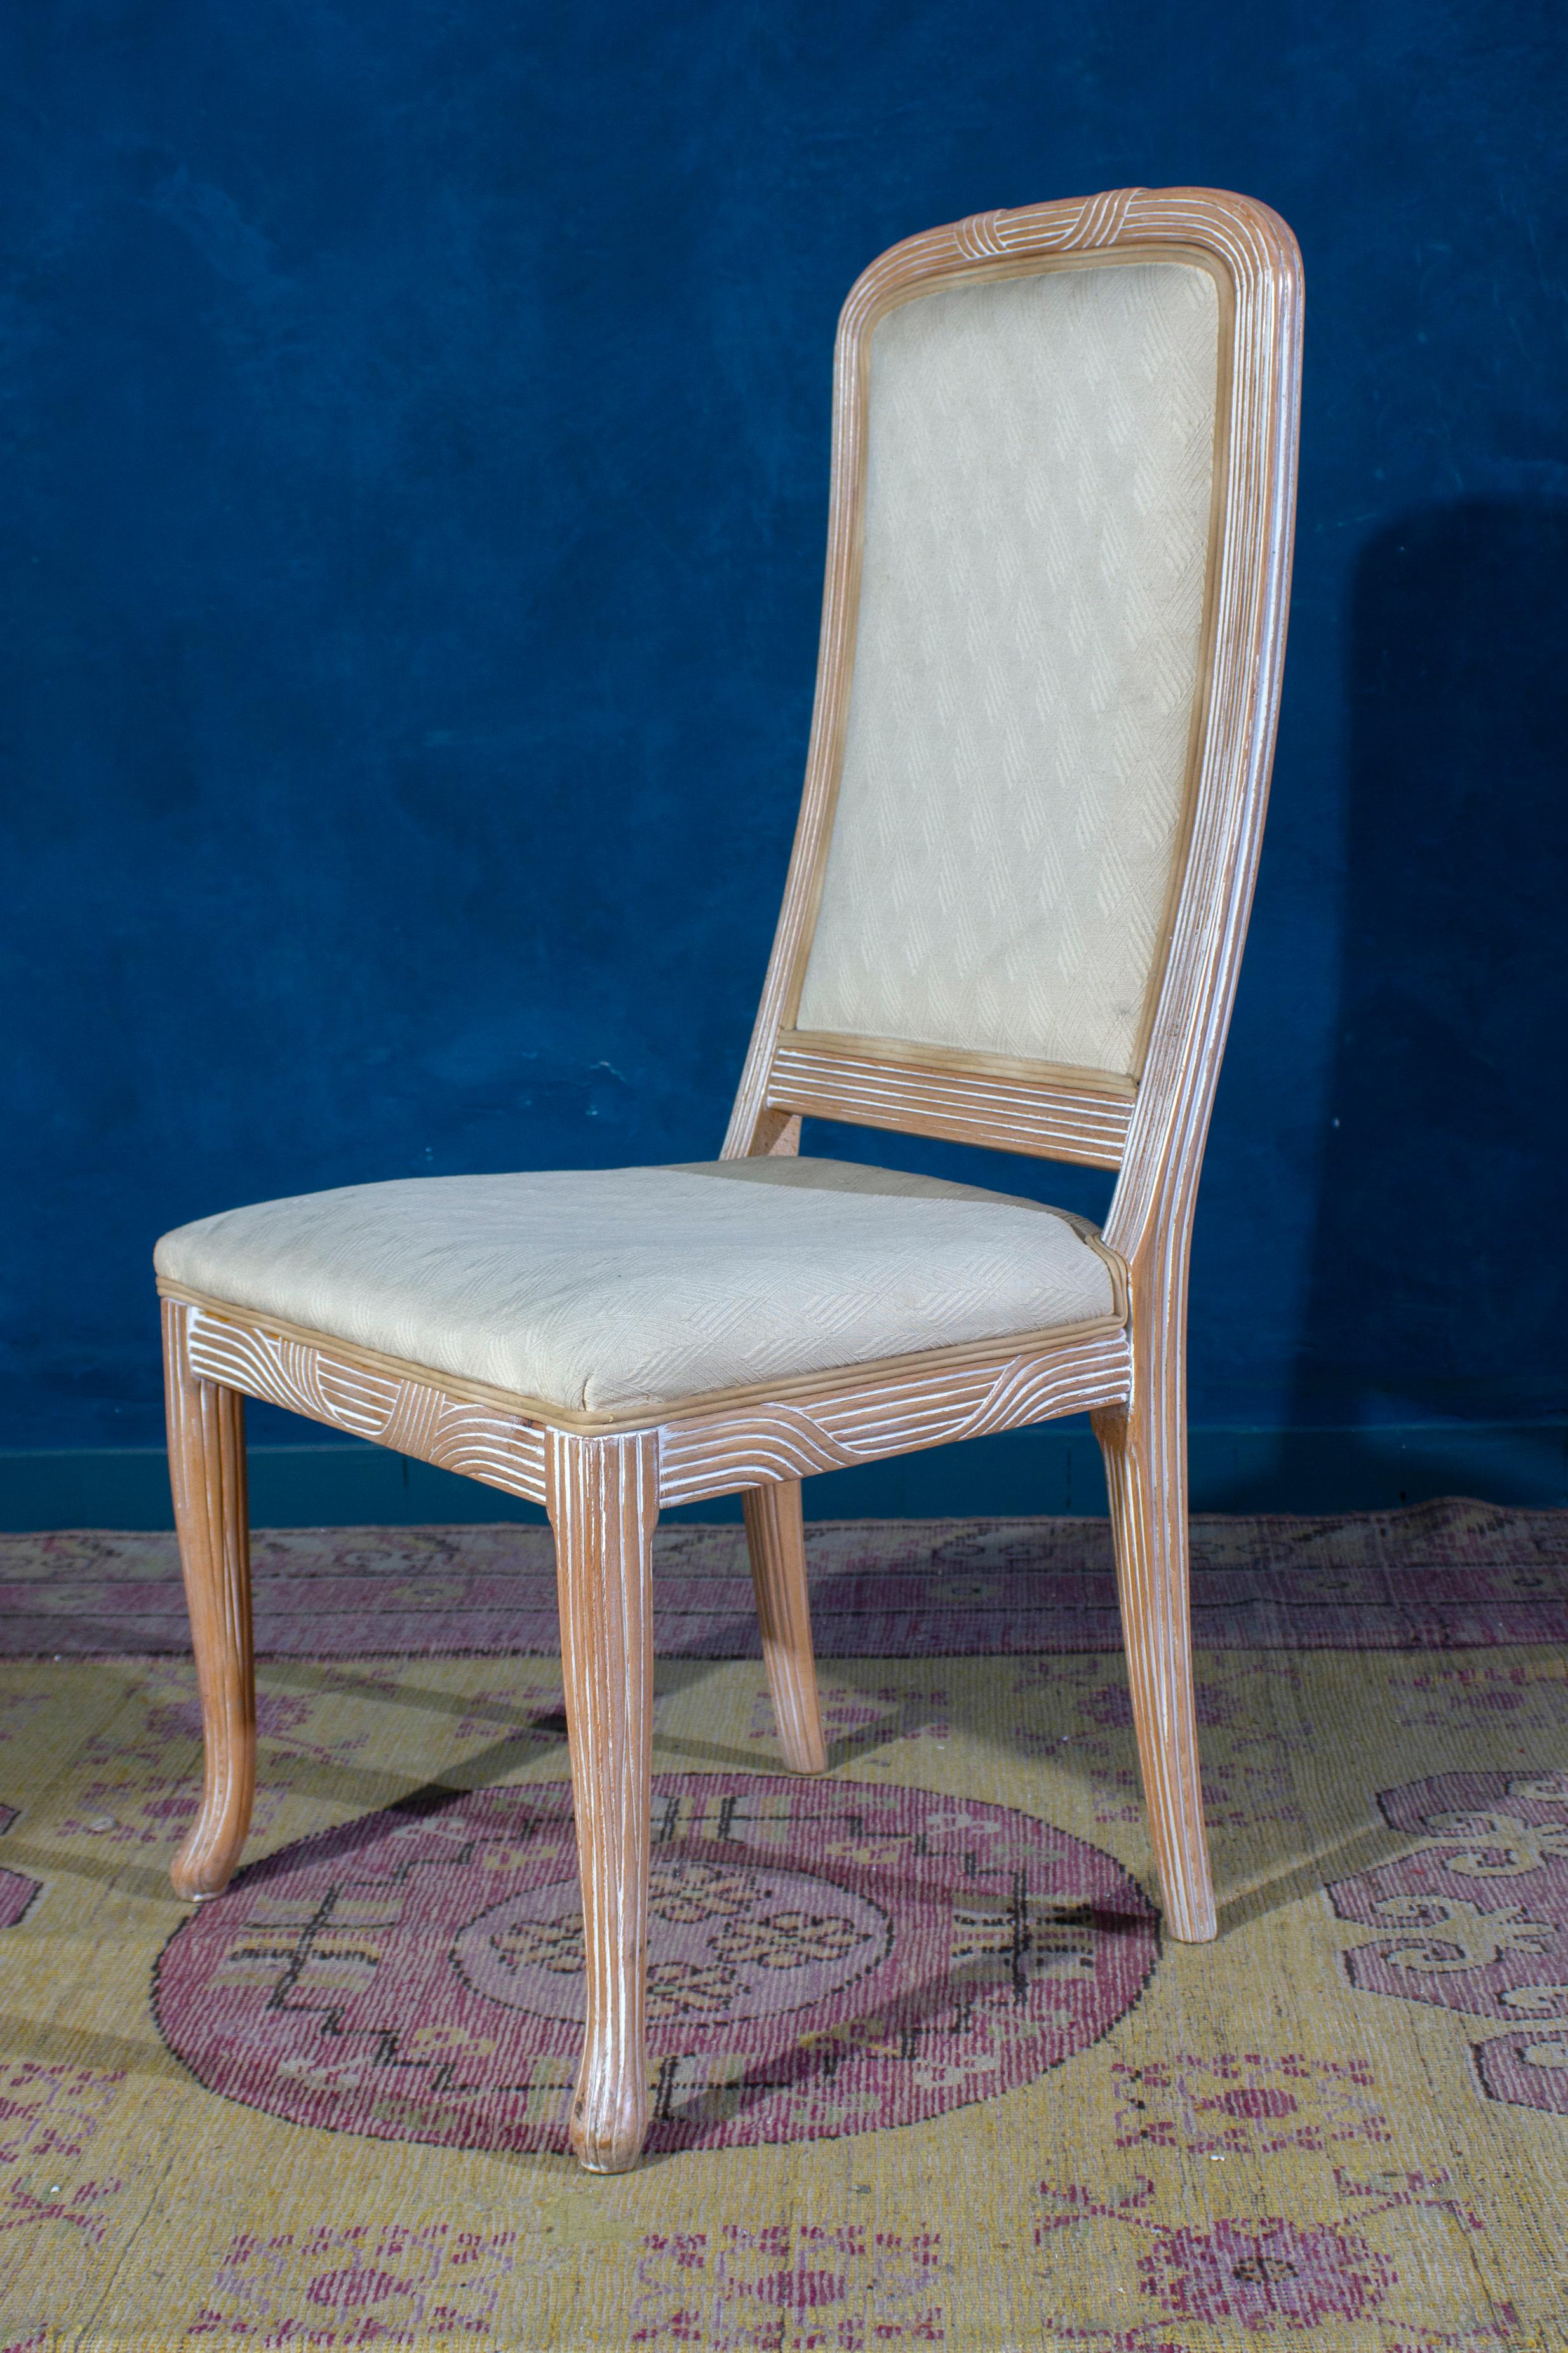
[(416, 429)]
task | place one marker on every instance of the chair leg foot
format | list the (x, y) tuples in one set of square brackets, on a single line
[(603, 1496), (206, 1470), (775, 1538), (1145, 1471)]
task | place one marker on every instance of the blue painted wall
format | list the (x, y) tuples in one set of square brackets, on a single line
[(415, 446)]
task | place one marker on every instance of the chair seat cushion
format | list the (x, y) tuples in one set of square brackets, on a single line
[(606, 1289)]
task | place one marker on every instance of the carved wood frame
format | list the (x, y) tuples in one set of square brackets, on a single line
[(1091, 1116), (604, 1477)]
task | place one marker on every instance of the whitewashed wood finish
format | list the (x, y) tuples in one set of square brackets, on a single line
[(775, 1538), (1257, 262), (852, 1413), (414, 1416), (935, 1093), (604, 1502), (206, 1470), (1150, 1219), (737, 1447), (1144, 1446), (603, 1485)]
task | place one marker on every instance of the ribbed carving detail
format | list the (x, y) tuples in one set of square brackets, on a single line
[(714, 1455), (775, 1538), (206, 1471), (603, 1496), (1074, 226), (423, 1421), (1015, 1114)]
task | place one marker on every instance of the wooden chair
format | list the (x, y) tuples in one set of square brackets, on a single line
[(1063, 476)]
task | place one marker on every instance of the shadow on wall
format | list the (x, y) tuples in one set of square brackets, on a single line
[(1437, 1286)]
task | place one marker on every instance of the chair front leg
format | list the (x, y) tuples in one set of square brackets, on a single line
[(775, 1538), (602, 1497), (206, 1471), (1144, 1444)]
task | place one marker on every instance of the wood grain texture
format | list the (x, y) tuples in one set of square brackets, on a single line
[(206, 1470), (931, 1093), (775, 1538), (1159, 1149), (785, 1131), (1144, 1446), (1254, 259), (604, 1478), (311, 1372), (750, 1446), (1255, 498), (603, 1495), (1151, 1216), (314, 1378)]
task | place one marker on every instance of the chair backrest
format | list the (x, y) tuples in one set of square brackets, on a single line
[(1058, 551)]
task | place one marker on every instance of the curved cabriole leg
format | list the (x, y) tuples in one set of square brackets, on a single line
[(603, 1496), (775, 1538), (206, 1471), (1145, 1450)]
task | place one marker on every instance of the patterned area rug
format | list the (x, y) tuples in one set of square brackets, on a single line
[(924, 2071), (1446, 1576)]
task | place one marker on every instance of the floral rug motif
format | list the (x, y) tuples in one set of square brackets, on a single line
[(924, 2071)]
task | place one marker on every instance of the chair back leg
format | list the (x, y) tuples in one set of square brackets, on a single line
[(206, 1470), (602, 1498), (1145, 1451), (775, 1538)]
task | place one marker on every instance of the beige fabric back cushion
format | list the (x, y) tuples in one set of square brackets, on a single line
[(1027, 661), (615, 1287)]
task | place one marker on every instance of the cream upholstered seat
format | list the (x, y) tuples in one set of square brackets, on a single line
[(611, 1288), (1058, 555)]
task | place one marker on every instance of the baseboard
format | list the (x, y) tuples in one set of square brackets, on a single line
[(1054, 1468)]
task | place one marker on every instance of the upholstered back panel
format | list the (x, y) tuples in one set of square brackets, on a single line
[(1028, 658)]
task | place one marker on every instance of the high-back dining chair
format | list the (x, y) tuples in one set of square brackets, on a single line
[(1058, 551)]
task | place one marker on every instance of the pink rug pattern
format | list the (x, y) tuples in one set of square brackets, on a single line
[(824, 1958), (1452, 1575), (1446, 1931)]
